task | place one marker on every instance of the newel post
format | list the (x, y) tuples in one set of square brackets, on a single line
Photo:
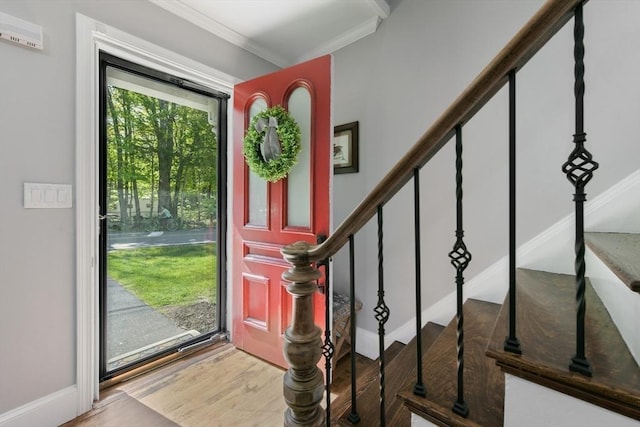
[(303, 382)]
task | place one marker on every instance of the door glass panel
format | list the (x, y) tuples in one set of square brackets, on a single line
[(299, 182), (257, 186), (160, 194)]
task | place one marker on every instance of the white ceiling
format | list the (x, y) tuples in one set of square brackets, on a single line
[(284, 32)]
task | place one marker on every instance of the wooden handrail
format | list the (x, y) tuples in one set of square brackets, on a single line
[(536, 32)]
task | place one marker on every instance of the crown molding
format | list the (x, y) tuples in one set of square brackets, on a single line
[(366, 28), (380, 7), (178, 8), (182, 10)]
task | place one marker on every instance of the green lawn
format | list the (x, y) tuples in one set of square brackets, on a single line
[(167, 275)]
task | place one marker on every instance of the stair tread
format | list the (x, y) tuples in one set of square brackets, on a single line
[(546, 330), (397, 370), (483, 380), (341, 406), (620, 252)]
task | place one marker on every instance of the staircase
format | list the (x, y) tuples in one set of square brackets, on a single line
[(566, 354), (483, 381), (400, 367), (546, 313)]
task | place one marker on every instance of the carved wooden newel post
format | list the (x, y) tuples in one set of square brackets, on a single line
[(303, 382)]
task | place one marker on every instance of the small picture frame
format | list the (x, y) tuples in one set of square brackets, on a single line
[(345, 148)]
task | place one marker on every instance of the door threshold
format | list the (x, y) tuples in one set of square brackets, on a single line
[(214, 344)]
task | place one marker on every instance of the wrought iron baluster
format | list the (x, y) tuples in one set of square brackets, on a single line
[(460, 258), (327, 347), (382, 315), (353, 414), (579, 169), (419, 388), (511, 342)]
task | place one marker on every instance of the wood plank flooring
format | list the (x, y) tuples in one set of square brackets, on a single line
[(123, 410), (218, 388)]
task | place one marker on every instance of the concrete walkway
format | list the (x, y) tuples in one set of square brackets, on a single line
[(135, 330)]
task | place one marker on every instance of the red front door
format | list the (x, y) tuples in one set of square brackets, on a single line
[(268, 216)]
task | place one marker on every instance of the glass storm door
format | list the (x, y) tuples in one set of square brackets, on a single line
[(160, 230), (268, 216)]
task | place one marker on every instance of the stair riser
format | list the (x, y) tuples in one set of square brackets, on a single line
[(622, 304), (418, 421), (532, 405)]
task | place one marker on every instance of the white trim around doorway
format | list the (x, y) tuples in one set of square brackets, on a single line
[(91, 38)]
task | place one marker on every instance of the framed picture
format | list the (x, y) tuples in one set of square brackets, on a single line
[(345, 148)]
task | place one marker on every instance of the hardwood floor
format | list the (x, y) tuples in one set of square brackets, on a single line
[(217, 387)]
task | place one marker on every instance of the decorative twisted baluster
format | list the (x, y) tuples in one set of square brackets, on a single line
[(579, 169), (353, 414), (382, 315), (418, 388), (460, 258), (328, 348), (303, 382), (511, 342)]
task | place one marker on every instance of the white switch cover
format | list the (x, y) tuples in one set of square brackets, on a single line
[(47, 196)]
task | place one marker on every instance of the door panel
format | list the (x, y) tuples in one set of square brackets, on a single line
[(268, 216)]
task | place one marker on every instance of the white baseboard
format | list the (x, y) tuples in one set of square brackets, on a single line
[(552, 250), (490, 285), (615, 210), (48, 411)]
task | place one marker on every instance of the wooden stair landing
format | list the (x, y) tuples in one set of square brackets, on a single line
[(397, 370), (620, 252), (546, 329), (483, 380)]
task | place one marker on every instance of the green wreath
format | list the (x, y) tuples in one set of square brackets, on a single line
[(279, 161)]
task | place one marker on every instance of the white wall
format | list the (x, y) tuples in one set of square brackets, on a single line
[(398, 80), (37, 143)]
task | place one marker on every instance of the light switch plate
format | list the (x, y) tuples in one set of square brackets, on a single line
[(47, 196)]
